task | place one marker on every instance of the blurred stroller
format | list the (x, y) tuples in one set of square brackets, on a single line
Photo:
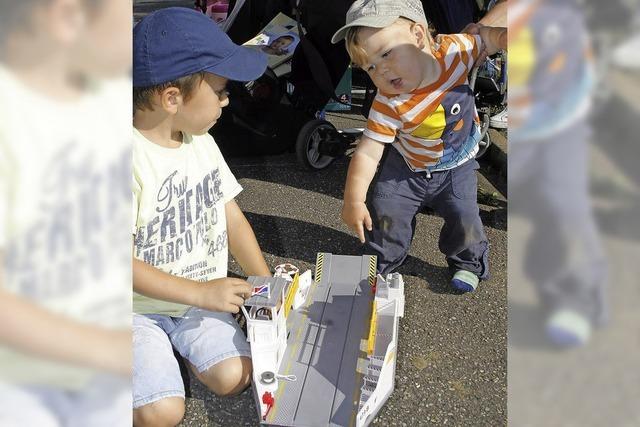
[(275, 113)]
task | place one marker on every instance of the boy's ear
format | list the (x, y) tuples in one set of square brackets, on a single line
[(171, 99), (419, 31)]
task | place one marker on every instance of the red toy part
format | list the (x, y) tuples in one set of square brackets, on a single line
[(268, 400)]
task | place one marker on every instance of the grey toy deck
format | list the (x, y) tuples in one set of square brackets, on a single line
[(327, 338)]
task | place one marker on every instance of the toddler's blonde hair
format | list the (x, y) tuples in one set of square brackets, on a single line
[(356, 51)]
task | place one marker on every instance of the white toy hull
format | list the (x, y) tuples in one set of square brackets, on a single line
[(338, 366)]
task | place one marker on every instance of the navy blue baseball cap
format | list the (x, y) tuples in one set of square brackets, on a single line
[(176, 42)]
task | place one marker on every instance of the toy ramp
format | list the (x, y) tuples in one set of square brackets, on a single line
[(340, 359), (326, 349)]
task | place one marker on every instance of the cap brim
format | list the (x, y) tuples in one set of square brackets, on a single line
[(245, 64), (365, 21)]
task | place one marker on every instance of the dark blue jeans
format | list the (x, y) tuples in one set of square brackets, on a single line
[(399, 194)]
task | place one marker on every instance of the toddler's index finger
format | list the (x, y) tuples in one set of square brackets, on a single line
[(367, 222), (360, 231)]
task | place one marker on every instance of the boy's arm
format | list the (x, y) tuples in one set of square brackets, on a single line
[(224, 294), (362, 169), (34, 330), (242, 242)]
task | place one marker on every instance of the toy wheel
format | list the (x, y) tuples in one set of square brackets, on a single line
[(308, 143), (483, 145)]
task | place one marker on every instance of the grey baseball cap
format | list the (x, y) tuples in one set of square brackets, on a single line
[(379, 14)]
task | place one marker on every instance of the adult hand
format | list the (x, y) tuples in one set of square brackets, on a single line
[(474, 28), (226, 294), (356, 216)]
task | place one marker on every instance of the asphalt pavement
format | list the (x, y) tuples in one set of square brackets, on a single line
[(452, 358)]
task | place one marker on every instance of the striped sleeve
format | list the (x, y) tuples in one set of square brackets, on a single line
[(383, 121), (468, 46)]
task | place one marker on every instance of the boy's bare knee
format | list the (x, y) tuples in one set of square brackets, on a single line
[(164, 412), (229, 377)]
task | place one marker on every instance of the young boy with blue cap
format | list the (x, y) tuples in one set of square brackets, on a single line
[(185, 217)]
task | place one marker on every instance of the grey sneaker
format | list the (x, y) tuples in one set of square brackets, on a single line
[(499, 121)]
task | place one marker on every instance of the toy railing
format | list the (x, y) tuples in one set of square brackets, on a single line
[(379, 381)]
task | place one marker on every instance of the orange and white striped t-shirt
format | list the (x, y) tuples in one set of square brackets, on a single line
[(433, 127)]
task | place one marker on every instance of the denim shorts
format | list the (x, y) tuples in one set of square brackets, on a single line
[(203, 337)]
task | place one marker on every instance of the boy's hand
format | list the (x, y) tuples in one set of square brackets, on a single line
[(356, 215), (226, 294)]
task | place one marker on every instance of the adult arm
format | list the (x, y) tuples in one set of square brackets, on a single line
[(34, 330), (497, 16), (494, 39)]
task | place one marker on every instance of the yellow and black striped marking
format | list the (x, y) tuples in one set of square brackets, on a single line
[(319, 263), (373, 261)]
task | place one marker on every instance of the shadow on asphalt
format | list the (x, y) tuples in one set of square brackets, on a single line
[(277, 237), (436, 277), (329, 181), (272, 232), (526, 328), (494, 176), (612, 219), (496, 218)]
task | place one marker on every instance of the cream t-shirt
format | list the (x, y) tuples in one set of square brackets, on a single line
[(180, 227), (64, 213)]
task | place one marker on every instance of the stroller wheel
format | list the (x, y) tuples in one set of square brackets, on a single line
[(483, 145), (308, 144)]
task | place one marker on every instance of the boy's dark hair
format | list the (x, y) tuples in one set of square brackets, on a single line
[(142, 96)]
